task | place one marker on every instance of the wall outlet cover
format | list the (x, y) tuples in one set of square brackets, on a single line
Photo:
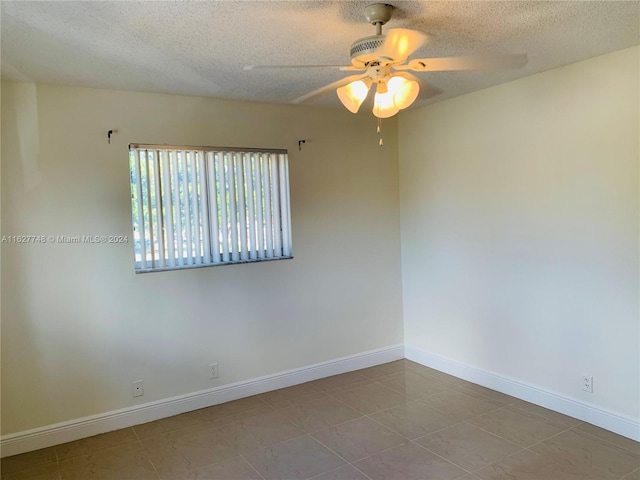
[(137, 388)]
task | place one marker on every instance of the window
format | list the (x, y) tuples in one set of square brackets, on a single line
[(200, 206)]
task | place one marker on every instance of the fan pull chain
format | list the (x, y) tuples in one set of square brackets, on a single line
[(379, 131)]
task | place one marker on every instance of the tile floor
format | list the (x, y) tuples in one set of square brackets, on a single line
[(399, 421)]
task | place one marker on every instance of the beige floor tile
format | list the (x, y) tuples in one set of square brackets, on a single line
[(406, 363), (526, 465), (422, 369), (260, 431), (236, 468), (127, 461), (358, 438), (244, 415), (95, 443), (232, 408), (302, 399), (162, 439), (367, 417), (300, 458), (168, 424), (412, 385), (610, 437), (410, 364), (461, 403), (414, 419), (517, 426), (595, 459), (288, 393), (408, 462), (545, 413), (369, 398), (468, 446), (432, 373), (348, 472), (320, 413), (488, 393), (45, 471), (173, 455), (27, 460), (632, 476), (384, 369), (348, 379)]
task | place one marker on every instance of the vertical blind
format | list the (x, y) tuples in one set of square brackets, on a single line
[(199, 206)]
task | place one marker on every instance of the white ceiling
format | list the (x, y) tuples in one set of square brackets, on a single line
[(200, 47)]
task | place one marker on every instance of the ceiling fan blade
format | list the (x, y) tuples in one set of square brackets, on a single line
[(327, 88), (283, 67), (477, 62), (400, 43)]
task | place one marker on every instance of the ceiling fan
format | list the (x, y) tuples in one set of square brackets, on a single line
[(383, 61)]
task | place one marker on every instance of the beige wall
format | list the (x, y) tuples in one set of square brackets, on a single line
[(520, 230), (78, 325)]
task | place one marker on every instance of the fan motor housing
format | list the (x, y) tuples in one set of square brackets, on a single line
[(363, 50)]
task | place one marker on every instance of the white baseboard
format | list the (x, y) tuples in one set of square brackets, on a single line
[(76, 429), (596, 415)]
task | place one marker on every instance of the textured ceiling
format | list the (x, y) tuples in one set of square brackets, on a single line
[(200, 48)]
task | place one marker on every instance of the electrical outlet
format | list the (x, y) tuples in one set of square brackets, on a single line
[(137, 388), (587, 383), (213, 370)]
